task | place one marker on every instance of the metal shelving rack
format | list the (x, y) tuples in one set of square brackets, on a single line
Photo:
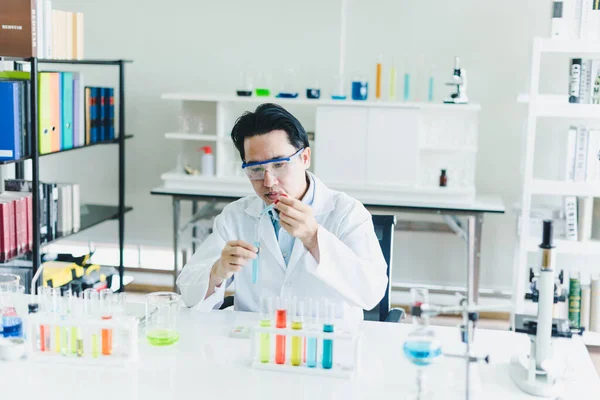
[(103, 213)]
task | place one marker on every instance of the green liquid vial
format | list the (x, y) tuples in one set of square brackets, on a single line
[(297, 344), (79, 347), (73, 340), (57, 335), (265, 342), (263, 92), (162, 337), (95, 346)]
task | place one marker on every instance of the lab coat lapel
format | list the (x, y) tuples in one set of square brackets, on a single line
[(266, 231)]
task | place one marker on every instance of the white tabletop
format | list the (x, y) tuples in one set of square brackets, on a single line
[(484, 203), (208, 364)]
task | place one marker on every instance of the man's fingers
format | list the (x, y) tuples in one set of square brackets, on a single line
[(242, 252), (290, 211), (243, 244)]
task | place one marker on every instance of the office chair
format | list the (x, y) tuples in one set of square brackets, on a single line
[(384, 229)]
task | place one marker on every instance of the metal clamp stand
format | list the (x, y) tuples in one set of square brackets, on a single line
[(470, 314)]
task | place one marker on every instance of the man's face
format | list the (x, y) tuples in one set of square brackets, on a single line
[(291, 179)]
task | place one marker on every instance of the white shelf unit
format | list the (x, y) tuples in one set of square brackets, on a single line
[(542, 105), (373, 146), (191, 136)]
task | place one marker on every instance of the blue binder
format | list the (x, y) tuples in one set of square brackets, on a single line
[(66, 97), (10, 123)]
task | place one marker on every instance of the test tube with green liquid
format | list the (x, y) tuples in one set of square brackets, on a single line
[(297, 341), (91, 299), (266, 317)]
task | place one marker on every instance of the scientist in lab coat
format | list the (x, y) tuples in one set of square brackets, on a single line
[(316, 243)]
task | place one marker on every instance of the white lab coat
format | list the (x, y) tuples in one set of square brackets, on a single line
[(351, 272)]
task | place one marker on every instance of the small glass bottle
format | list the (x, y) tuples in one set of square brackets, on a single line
[(443, 179)]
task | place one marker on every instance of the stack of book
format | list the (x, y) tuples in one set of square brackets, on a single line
[(584, 81), (34, 29), (576, 19), (60, 214), (69, 114)]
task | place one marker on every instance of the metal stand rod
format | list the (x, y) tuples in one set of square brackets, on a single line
[(121, 172), (194, 229), (176, 212), (35, 170)]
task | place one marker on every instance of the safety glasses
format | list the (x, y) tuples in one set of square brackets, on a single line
[(276, 167)]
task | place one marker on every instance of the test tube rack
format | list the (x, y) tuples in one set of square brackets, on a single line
[(346, 345), (124, 334)]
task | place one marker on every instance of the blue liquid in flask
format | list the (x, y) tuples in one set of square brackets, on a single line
[(12, 327), (421, 352)]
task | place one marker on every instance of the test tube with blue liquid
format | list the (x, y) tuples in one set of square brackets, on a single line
[(328, 327), (312, 310), (266, 317), (11, 323), (256, 261)]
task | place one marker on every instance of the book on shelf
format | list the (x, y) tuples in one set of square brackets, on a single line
[(60, 214), (69, 114), (14, 119), (99, 114), (571, 217), (583, 155), (575, 19), (31, 28), (18, 28), (584, 81)]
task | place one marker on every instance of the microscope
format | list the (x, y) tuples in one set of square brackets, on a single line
[(535, 373), (458, 79)]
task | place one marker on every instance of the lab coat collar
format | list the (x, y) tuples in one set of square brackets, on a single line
[(322, 202)]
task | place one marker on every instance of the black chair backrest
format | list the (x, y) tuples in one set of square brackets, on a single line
[(384, 229)]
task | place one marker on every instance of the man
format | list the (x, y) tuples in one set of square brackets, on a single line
[(315, 243)]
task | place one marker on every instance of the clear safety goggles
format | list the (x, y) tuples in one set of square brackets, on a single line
[(276, 167)]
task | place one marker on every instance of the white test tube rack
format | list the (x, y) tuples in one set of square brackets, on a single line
[(345, 351), (124, 330)]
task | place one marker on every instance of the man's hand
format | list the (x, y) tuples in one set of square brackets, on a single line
[(234, 256), (298, 220)]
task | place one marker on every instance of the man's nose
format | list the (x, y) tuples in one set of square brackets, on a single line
[(269, 180)]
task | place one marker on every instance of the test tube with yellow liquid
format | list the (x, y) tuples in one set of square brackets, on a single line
[(297, 341), (266, 318)]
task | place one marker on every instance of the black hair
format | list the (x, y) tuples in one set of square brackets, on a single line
[(268, 117)]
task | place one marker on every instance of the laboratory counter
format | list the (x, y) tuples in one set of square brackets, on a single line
[(208, 363)]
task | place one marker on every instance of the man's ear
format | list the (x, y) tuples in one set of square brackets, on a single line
[(306, 157)]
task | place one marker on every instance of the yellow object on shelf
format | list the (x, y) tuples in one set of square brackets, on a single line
[(59, 273)]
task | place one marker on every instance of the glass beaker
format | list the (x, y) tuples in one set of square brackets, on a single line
[(421, 347), (12, 309), (161, 316), (338, 91), (244, 87)]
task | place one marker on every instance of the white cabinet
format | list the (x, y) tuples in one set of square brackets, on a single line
[(340, 137), (392, 150), (387, 149)]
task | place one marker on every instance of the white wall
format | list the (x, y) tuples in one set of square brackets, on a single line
[(201, 45)]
